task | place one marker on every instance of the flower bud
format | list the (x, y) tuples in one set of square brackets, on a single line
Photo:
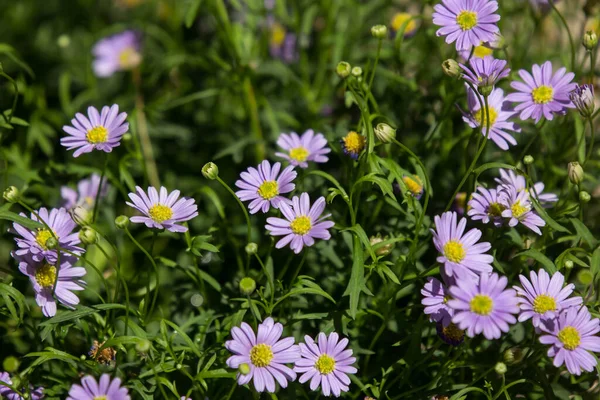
[(513, 355), (52, 243), (357, 71), (343, 69), (485, 89), (575, 173), (127, 137), (585, 277), (10, 364), (251, 248), (210, 170), (87, 235), (11, 194), (122, 222), (384, 132), (383, 250), (590, 40), (63, 41), (247, 285), (569, 264), (142, 346), (583, 98), (379, 31), (81, 216), (528, 160), (244, 369), (451, 68), (500, 368), (584, 196)]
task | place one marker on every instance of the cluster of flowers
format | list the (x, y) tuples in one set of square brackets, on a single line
[(262, 358)]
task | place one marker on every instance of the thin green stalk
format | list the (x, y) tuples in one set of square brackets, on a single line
[(226, 186), (564, 22), (97, 199), (88, 262), (269, 278), (591, 148), (375, 65), (117, 268), (14, 104), (154, 266), (254, 119)]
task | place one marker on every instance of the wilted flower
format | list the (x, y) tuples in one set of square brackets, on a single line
[(119, 52), (353, 144), (408, 21), (103, 389), (86, 192), (301, 149), (9, 394), (583, 98), (262, 186), (104, 356)]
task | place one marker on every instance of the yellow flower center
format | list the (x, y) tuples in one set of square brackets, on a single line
[(45, 275), (481, 304), (89, 200), (479, 117), (354, 143), (543, 303), (277, 34), (268, 190), (399, 20), (495, 209), (482, 51), (100, 398), (518, 209), (301, 225), (453, 333), (446, 298), (261, 355), (569, 337), (415, 186), (542, 94), (42, 237), (299, 154), (129, 58), (325, 364), (466, 20), (454, 251), (160, 213), (97, 134)]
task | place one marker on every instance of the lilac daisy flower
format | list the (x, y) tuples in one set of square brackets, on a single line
[(519, 210), (544, 93), (265, 354), (572, 336), (263, 187), (97, 131), (301, 149), (485, 71), (485, 306), (542, 298), (282, 44), (85, 195), (162, 211), (302, 223), (485, 206), (435, 299), (51, 282), (119, 52), (461, 255), (34, 242), (500, 113), (509, 178), (104, 389), (9, 394), (466, 22), (326, 363)]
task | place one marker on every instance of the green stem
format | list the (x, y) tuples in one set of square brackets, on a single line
[(14, 104), (375, 65), (269, 279), (97, 199), (100, 274), (564, 22), (297, 271), (254, 119), (154, 266), (591, 148), (121, 280), (226, 186)]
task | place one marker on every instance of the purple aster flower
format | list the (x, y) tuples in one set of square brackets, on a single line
[(9, 394), (583, 98), (51, 282), (162, 211), (544, 93), (485, 306), (302, 223), (301, 149), (85, 195), (119, 52), (435, 299), (485, 71), (282, 44), (461, 255), (265, 354), (509, 178), (104, 389), (264, 186), (542, 298), (450, 334), (572, 336), (407, 20), (34, 242), (466, 22), (99, 131), (485, 206), (517, 207), (326, 363), (500, 113)]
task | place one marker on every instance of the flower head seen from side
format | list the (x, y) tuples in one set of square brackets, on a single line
[(405, 20), (435, 299), (262, 186), (484, 307), (509, 178), (518, 209), (299, 150), (85, 195), (34, 242), (98, 131), (414, 185), (326, 363), (353, 144), (451, 334), (119, 52), (583, 98), (460, 253), (303, 223), (265, 353), (486, 71), (53, 282), (542, 298), (485, 206), (572, 336), (466, 22), (544, 93), (104, 389), (282, 44), (9, 394), (162, 210)]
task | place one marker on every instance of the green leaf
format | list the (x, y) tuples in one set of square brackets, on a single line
[(384, 185), (23, 221), (10, 296), (357, 278), (184, 336), (81, 311), (584, 232), (539, 257), (191, 13), (212, 196), (360, 232), (544, 215), (595, 264)]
